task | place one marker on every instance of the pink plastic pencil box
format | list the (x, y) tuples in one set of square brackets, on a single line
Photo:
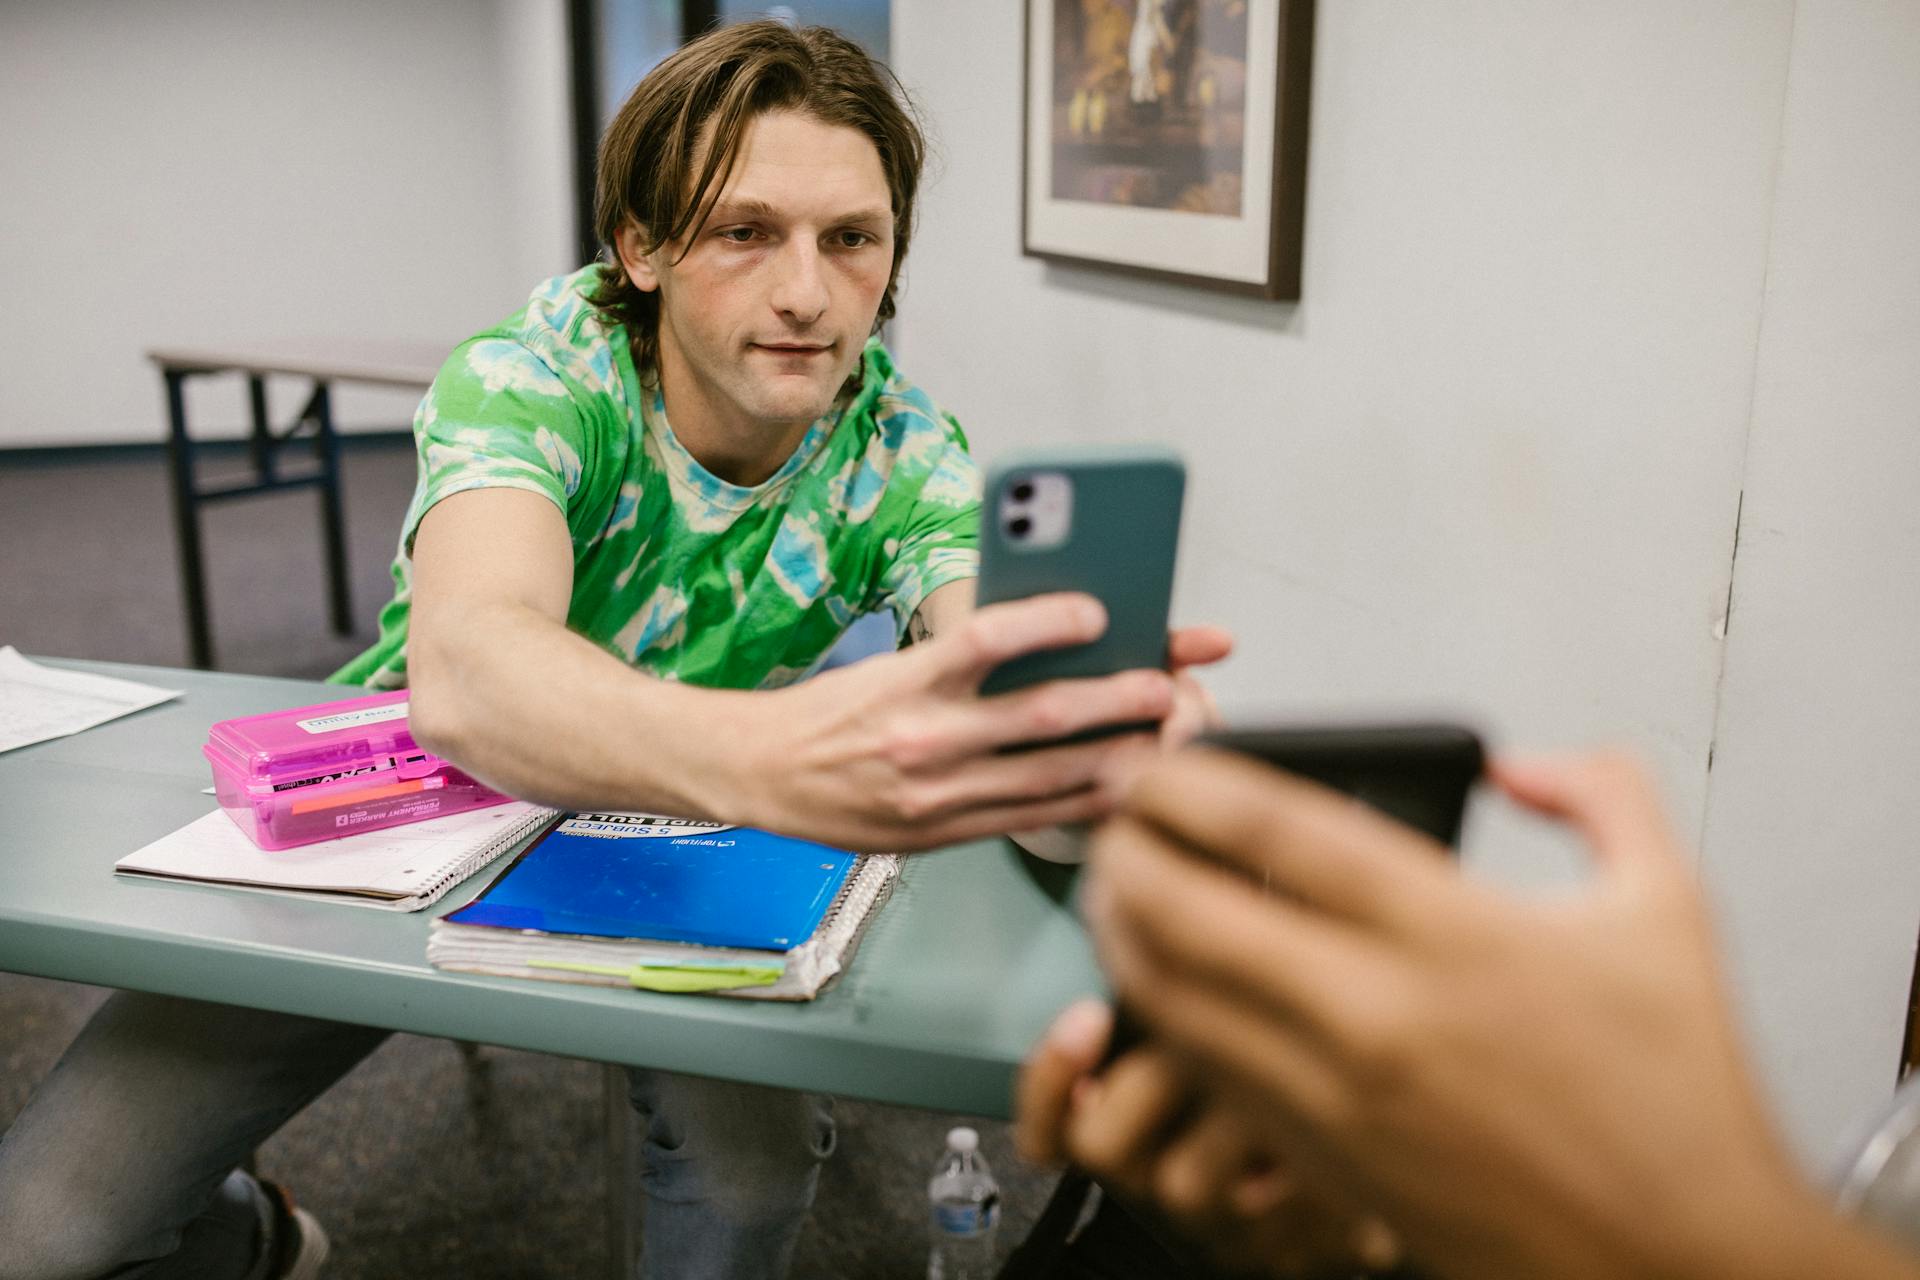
[(313, 773)]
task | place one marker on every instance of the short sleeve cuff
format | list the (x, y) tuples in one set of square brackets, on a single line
[(942, 566), (439, 493)]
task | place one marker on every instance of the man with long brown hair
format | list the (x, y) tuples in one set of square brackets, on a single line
[(649, 502)]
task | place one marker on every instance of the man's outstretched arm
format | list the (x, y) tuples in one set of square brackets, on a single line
[(895, 753), (502, 687)]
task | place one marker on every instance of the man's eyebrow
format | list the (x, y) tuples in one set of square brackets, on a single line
[(875, 214), (727, 210), (750, 209)]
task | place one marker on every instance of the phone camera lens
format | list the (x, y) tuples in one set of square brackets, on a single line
[(1023, 492), (1019, 526)]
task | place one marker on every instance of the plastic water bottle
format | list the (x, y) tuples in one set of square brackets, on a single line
[(965, 1211)]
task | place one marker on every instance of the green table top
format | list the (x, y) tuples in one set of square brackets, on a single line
[(957, 976)]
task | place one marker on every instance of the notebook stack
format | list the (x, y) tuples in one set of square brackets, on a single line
[(670, 904)]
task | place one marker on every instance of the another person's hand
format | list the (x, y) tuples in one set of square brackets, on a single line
[(1143, 1130), (1521, 1088)]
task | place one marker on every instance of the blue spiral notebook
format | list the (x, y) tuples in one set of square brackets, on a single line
[(615, 875), (664, 904)]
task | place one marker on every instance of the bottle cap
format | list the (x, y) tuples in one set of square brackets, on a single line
[(963, 1140)]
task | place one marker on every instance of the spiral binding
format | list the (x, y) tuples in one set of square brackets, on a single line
[(478, 858), (859, 891)]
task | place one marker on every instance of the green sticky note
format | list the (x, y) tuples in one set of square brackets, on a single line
[(679, 977)]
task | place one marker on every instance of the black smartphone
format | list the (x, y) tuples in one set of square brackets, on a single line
[(1418, 773)]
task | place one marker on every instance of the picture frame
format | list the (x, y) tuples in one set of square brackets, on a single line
[(1168, 139)]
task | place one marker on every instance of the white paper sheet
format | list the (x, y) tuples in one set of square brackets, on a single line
[(38, 703)]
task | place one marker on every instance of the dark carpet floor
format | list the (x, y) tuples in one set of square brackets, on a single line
[(414, 1172)]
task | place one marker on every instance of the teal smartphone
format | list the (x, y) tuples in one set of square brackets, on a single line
[(1103, 520)]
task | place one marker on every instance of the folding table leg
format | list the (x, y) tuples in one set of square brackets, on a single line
[(260, 443), (186, 523), (623, 1178), (332, 519)]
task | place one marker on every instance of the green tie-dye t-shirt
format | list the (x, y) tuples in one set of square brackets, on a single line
[(676, 571)]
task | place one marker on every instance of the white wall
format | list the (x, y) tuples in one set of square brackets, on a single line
[(531, 91), (200, 171), (1493, 460), (1489, 459), (1811, 840)]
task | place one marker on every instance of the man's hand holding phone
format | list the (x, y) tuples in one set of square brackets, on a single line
[(1032, 710), (901, 752), (1194, 711)]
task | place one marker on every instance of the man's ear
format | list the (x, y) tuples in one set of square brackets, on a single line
[(631, 244)]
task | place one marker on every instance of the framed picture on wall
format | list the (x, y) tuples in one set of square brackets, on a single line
[(1168, 138)]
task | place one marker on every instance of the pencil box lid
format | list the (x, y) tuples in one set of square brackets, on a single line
[(320, 742)]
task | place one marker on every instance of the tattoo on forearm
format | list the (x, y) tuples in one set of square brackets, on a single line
[(919, 631)]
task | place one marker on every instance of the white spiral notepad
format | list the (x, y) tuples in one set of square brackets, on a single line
[(398, 869)]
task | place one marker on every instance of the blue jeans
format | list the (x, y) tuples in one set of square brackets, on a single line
[(123, 1162)]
